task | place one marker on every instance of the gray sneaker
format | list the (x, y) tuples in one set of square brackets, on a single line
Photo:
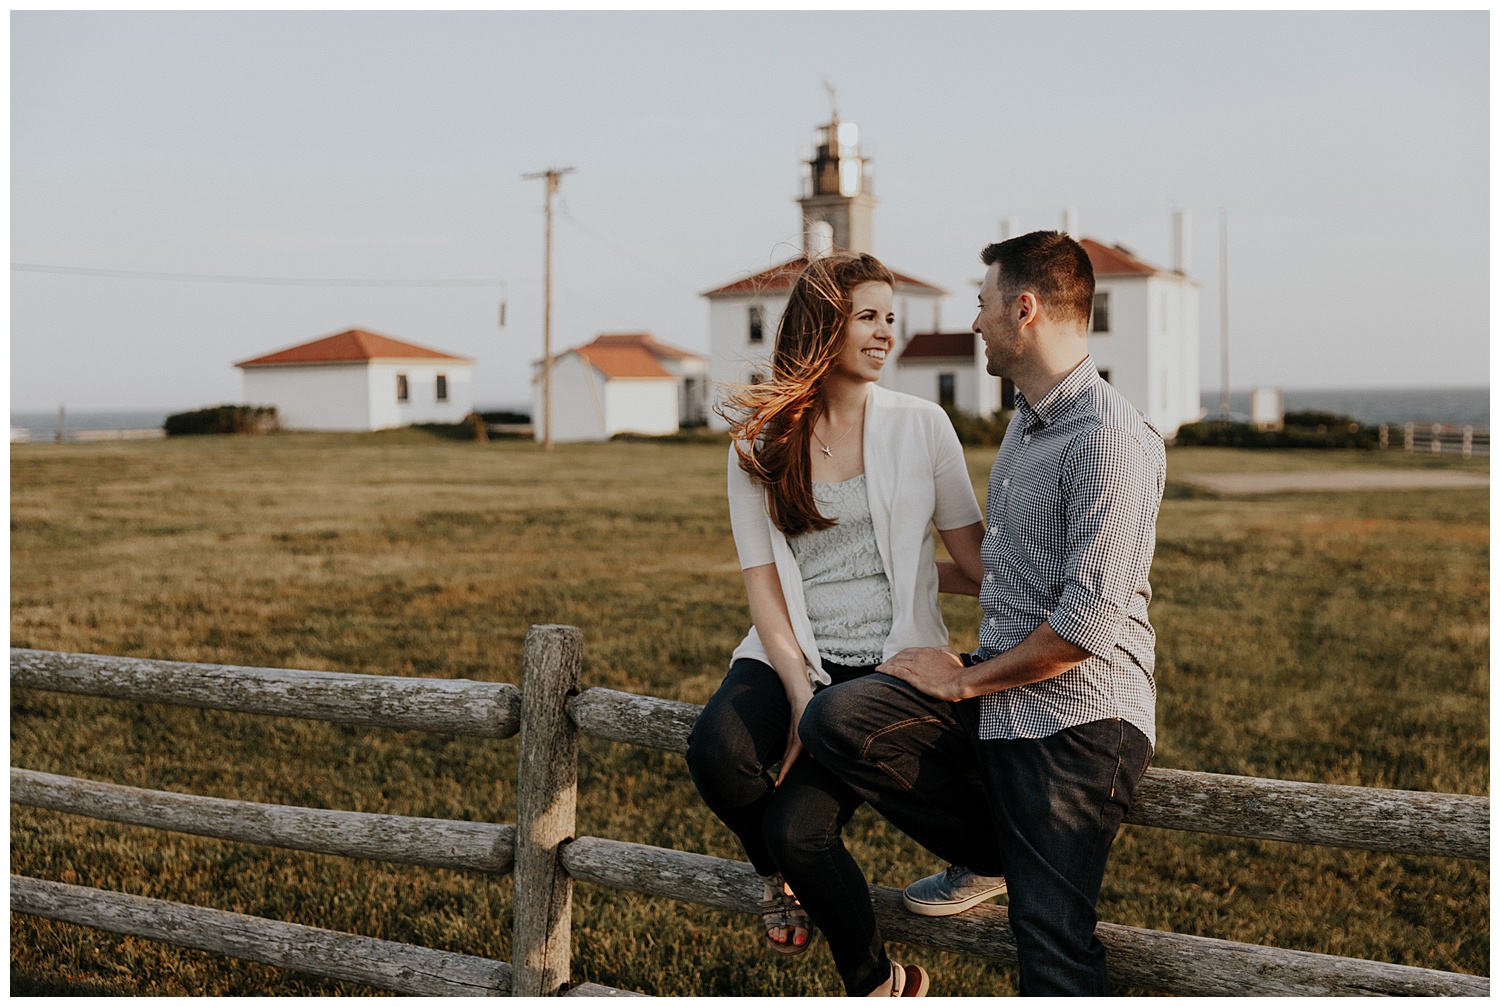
[(950, 892)]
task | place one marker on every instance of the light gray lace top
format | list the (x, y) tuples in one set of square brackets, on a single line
[(843, 579)]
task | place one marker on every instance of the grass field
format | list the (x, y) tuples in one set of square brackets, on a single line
[(1338, 638)]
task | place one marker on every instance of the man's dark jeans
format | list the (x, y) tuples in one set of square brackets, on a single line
[(1042, 811)]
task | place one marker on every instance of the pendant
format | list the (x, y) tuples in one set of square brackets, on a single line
[(827, 451)]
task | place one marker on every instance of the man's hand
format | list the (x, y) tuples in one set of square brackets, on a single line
[(935, 671)]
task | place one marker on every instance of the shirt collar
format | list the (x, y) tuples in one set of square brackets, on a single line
[(1057, 401)]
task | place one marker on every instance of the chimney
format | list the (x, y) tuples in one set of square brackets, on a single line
[(1070, 223), (1010, 227), (1182, 241)]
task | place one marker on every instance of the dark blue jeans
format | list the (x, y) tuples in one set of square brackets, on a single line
[(794, 828), (1042, 811)]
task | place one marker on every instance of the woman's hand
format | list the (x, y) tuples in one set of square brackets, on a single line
[(793, 740)]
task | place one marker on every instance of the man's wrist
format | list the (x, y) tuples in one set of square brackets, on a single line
[(973, 679)]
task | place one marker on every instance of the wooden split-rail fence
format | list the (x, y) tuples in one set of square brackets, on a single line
[(546, 857), (1455, 438)]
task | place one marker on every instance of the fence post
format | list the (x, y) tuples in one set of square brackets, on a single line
[(546, 801), (1410, 431), (1385, 436), (1468, 441)]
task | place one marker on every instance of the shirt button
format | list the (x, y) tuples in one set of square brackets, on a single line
[(1005, 482), (994, 622), (1026, 439), (989, 576)]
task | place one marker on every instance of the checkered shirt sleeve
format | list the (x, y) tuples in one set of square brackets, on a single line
[(1111, 493)]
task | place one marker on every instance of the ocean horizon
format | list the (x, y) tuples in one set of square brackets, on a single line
[(1463, 406)]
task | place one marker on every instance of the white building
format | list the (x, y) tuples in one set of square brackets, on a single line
[(838, 208), (1143, 337), (949, 368), (623, 383), (1144, 333), (359, 380)]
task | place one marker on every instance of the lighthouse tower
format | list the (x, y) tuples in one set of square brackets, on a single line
[(838, 205), (838, 211)]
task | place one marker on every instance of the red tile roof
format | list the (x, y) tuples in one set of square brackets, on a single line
[(782, 277), (1114, 260), (622, 361), (661, 351), (353, 346), (940, 346)]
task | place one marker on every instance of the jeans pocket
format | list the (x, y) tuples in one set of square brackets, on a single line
[(892, 749)]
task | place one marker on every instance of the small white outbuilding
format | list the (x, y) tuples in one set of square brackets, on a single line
[(626, 383), (358, 380), (949, 368)]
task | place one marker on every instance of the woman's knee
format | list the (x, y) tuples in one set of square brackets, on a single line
[(721, 756)]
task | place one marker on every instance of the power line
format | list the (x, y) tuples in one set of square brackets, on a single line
[(635, 257), (281, 281)]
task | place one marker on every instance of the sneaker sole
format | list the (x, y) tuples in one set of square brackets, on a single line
[(947, 908)]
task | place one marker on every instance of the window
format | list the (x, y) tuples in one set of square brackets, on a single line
[(1101, 311), (1104, 373), (402, 393), (945, 391), (757, 324), (756, 378), (442, 388)]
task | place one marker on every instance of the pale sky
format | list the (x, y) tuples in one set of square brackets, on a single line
[(1350, 151)]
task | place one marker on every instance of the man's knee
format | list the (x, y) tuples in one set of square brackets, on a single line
[(829, 727)]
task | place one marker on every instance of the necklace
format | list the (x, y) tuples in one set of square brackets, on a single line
[(827, 448)]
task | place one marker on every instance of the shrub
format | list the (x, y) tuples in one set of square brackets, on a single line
[(505, 416), (979, 431), (1307, 428), (223, 420)]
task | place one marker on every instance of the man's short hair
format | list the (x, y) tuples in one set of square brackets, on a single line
[(1051, 265)]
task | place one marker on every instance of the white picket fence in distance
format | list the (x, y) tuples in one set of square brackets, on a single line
[(545, 856)]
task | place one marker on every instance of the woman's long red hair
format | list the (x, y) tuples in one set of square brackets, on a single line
[(772, 422)]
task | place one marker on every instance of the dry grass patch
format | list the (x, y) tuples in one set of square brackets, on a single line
[(1336, 637)]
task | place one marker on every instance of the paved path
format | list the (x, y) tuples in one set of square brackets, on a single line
[(1336, 479)]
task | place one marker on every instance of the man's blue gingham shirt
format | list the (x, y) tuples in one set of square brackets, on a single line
[(1070, 530)]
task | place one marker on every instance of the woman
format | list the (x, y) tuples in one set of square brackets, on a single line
[(834, 485)]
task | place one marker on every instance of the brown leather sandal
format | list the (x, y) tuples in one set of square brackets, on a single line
[(783, 911)]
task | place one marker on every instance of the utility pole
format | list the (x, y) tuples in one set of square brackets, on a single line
[(554, 183), (1223, 314)]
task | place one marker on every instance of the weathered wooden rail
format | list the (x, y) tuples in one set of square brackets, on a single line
[(545, 857)]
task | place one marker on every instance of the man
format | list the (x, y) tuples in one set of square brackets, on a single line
[(1020, 759)]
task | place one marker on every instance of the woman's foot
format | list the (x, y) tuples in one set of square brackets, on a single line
[(905, 981), (787, 927)]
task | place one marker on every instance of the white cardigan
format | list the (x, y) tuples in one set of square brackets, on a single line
[(916, 476)]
